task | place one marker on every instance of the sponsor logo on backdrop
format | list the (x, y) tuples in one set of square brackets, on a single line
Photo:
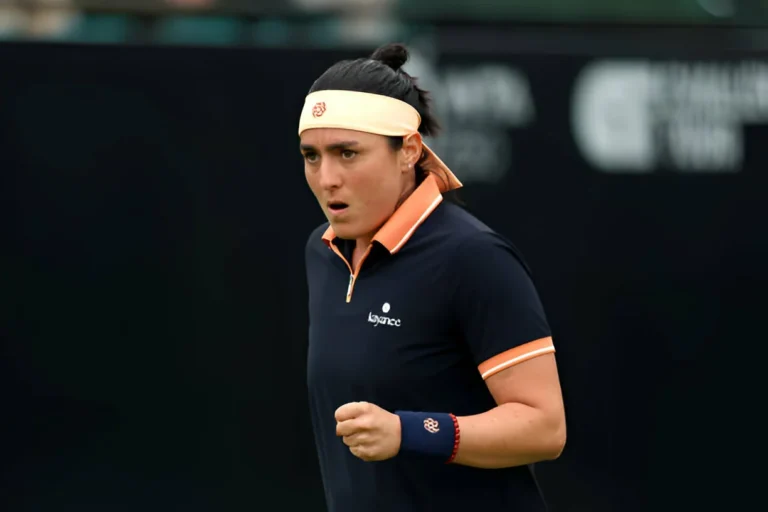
[(477, 105), (640, 116)]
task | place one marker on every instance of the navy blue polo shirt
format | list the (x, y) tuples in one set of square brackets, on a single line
[(439, 304)]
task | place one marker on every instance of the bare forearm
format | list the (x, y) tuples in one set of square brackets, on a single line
[(511, 434)]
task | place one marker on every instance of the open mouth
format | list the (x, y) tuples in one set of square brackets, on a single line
[(337, 206)]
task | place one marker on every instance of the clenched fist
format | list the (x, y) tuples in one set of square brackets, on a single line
[(371, 433)]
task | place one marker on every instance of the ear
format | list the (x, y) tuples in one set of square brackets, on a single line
[(411, 150)]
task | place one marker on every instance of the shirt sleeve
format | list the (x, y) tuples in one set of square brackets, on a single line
[(498, 309)]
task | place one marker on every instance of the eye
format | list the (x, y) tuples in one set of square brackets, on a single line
[(348, 154), (310, 157)]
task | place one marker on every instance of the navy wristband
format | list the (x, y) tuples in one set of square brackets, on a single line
[(427, 433)]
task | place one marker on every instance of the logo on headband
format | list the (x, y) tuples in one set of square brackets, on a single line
[(319, 109)]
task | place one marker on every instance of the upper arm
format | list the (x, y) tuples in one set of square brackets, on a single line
[(534, 383), (504, 325), (497, 306)]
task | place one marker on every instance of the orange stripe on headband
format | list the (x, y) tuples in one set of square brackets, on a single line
[(371, 113)]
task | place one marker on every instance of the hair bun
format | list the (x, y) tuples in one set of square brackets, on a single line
[(393, 55)]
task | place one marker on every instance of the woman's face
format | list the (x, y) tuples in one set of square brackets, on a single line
[(357, 177)]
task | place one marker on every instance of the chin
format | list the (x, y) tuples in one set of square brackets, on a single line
[(345, 231)]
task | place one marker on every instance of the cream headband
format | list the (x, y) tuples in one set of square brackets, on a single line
[(370, 113)]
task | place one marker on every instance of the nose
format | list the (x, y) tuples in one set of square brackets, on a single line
[(329, 177)]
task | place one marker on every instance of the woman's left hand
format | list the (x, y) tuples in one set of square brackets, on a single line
[(371, 433)]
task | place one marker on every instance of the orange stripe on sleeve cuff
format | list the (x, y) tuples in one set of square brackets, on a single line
[(515, 356)]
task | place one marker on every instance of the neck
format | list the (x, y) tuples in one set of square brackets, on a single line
[(362, 243)]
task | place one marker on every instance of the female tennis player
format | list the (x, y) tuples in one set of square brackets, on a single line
[(431, 369)]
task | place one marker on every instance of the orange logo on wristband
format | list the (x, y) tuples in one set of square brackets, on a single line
[(431, 425)]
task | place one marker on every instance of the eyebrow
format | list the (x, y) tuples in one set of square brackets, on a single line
[(331, 147)]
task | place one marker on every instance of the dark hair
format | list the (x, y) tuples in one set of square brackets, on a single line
[(382, 73)]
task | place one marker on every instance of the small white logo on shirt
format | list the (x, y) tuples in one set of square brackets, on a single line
[(377, 320)]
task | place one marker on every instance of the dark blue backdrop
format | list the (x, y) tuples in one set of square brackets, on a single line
[(154, 214)]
